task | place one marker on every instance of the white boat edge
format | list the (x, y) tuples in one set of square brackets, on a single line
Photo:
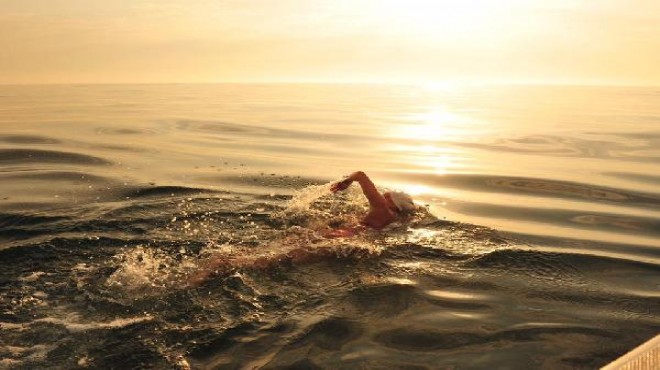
[(644, 357)]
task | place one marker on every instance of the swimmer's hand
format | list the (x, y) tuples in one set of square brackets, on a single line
[(341, 185)]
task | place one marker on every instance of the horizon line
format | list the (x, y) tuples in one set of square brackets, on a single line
[(441, 84)]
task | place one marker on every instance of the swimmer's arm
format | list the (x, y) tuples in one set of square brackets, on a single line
[(375, 198), (344, 232), (224, 265), (206, 271)]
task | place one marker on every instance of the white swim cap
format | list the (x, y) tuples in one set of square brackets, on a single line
[(402, 201)]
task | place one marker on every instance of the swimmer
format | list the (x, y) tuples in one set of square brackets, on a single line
[(383, 210)]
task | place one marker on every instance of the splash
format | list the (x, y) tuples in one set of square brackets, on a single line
[(303, 198), (148, 270), (315, 207)]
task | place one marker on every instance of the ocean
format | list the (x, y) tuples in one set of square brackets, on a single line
[(536, 244)]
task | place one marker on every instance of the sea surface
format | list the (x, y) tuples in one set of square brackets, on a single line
[(536, 244)]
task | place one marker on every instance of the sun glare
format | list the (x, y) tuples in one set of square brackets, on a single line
[(434, 125), (439, 17), (439, 86), (416, 190), (429, 136)]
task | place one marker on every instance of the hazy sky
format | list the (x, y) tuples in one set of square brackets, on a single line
[(418, 41)]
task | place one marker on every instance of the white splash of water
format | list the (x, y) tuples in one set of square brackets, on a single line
[(303, 198), (147, 270), (316, 207)]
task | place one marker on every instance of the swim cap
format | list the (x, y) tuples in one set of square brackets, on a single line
[(402, 201)]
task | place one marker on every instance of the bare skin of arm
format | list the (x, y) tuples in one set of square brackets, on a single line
[(380, 209), (208, 269)]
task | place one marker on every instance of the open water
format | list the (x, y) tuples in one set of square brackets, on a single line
[(537, 242)]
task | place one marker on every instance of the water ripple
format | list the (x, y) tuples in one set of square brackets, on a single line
[(27, 139), (576, 219), (410, 339), (31, 156), (539, 187)]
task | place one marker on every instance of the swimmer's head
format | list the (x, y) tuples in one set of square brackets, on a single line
[(400, 202)]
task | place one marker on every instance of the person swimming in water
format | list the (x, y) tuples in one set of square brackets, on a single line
[(383, 210)]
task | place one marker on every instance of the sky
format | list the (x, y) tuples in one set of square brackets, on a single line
[(375, 41)]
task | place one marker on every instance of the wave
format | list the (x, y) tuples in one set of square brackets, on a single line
[(237, 130), (576, 147), (622, 251), (575, 219), (642, 178), (265, 180), (31, 156), (542, 261), (538, 187), (28, 139), (165, 191), (8, 220), (55, 175), (124, 131), (428, 340)]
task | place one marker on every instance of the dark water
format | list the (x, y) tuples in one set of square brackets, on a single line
[(537, 244)]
